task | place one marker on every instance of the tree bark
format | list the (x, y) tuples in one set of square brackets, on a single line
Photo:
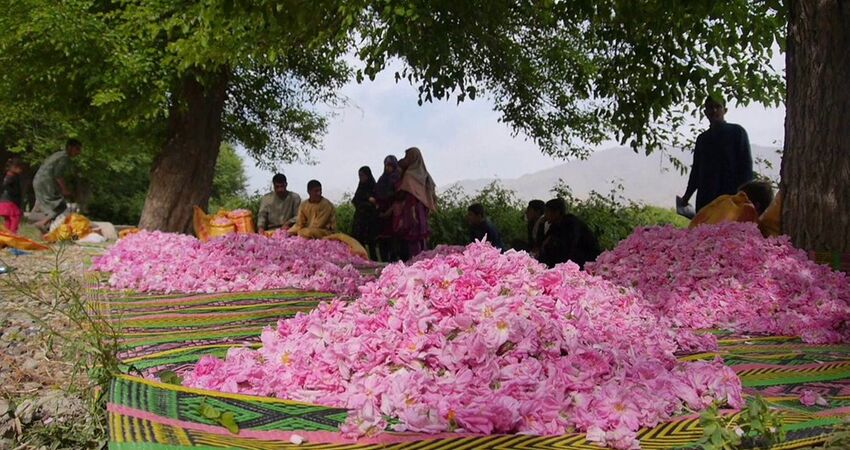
[(816, 162), (182, 173)]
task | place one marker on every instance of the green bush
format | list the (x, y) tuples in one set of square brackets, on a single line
[(610, 216), (344, 214), (503, 209)]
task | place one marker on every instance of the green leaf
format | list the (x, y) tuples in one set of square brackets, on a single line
[(228, 421), (170, 377), (208, 411)]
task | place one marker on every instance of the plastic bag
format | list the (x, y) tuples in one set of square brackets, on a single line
[(770, 221), (201, 224), (8, 239), (726, 208), (124, 233), (221, 226), (74, 227), (684, 209), (243, 220)]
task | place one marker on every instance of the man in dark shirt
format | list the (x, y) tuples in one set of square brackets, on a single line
[(479, 226), (568, 238), (722, 158)]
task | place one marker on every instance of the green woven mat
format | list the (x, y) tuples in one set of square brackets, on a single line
[(173, 332)]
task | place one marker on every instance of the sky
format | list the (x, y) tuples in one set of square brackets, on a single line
[(458, 142)]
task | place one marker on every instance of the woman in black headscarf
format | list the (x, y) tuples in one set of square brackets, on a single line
[(385, 191), (365, 226)]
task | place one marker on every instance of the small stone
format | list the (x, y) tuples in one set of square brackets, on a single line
[(30, 365), (25, 411), (56, 402)]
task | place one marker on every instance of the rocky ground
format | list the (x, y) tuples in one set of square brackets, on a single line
[(45, 400)]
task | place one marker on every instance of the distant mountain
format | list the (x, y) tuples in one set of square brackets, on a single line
[(652, 179)]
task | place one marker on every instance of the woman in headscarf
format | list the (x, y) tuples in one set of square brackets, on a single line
[(420, 200), (364, 228), (383, 199)]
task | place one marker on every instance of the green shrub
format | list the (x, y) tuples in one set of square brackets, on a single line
[(503, 209), (345, 214), (611, 216)]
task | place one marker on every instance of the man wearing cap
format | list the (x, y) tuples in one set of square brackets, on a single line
[(722, 158)]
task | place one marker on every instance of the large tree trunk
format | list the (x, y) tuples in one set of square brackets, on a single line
[(816, 161), (182, 173)]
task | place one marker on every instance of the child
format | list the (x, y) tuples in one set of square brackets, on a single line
[(10, 199)]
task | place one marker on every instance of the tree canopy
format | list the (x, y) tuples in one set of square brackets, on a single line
[(123, 75), (567, 74)]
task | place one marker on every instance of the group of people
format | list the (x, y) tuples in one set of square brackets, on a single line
[(554, 235), (723, 179), (390, 213), (49, 185)]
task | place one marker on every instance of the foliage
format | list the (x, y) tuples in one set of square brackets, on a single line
[(113, 70), (345, 214), (229, 180), (568, 74), (83, 336), (503, 209), (122, 202), (611, 216), (756, 426)]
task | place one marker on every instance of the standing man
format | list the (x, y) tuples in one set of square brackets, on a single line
[(279, 208), (49, 184), (722, 158)]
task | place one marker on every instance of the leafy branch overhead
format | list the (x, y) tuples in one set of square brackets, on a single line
[(566, 74), (574, 73)]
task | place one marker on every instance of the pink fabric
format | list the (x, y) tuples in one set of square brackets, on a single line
[(12, 214)]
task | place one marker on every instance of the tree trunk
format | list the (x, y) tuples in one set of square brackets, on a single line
[(182, 173), (816, 161)]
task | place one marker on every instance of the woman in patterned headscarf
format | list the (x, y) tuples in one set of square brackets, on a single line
[(420, 199)]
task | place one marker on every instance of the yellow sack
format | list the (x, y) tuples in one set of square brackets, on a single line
[(8, 239), (74, 227), (726, 208), (243, 219), (124, 233), (355, 247), (221, 226), (770, 222), (201, 224)]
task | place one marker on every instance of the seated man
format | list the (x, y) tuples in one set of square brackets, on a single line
[(480, 227), (316, 216), (536, 225), (568, 238), (279, 208), (747, 205)]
